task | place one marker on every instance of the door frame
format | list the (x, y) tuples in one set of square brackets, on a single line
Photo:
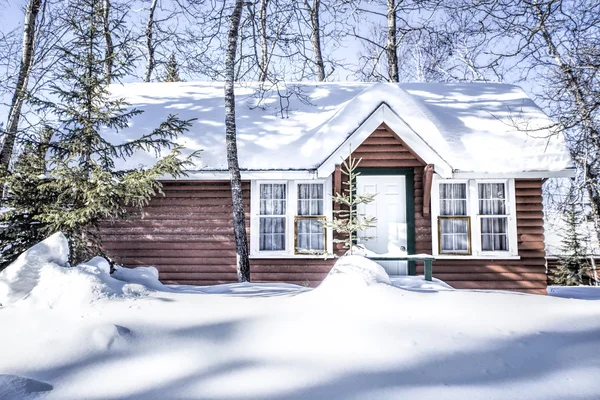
[(409, 176)]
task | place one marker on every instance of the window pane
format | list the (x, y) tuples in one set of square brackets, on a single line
[(453, 199), (494, 236), (272, 199), (310, 235), (492, 199), (271, 233), (310, 199), (454, 235)]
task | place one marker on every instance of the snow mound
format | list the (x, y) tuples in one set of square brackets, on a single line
[(106, 336), (575, 292), (146, 276), (419, 283), (20, 387), (354, 272), (20, 277), (43, 276)]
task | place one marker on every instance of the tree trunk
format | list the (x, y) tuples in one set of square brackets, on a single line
[(109, 52), (264, 53), (391, 47), (149, 45), (239, 218), (315, 26), (14, 116)]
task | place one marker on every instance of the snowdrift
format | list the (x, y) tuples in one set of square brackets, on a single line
[(356, 336), (42, 276)]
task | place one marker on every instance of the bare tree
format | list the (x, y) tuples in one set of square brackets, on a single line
[(109, 51), (392, 42), (150, 46), (556, 43), (239, 218), (381, 40), (315, 35), (27, 56)]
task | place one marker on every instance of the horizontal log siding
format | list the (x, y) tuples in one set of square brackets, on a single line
[(525, 275), (187, 234)]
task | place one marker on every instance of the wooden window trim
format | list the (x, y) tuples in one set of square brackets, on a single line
[(313, 218), (439, 226)]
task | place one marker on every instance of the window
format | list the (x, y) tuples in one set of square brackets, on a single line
[(309, 229), (287, 218), (453, 222), (272, 217), (493, 217), (475, 217)]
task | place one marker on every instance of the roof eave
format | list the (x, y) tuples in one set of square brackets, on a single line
[(565, 173)]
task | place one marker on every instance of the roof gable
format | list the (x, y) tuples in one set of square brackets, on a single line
[(385, 115)]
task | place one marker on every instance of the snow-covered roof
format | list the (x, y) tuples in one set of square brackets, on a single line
[(473, 127)]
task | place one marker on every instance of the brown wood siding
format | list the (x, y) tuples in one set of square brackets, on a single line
[(525, 275), (187, 234)]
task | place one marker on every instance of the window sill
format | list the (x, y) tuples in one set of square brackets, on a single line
[(483, 257), (291, 256)]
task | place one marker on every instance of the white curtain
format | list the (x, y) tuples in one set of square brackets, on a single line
[(455, 235), (453, 199), (492, 201), (454, 232), (310, 233), (272, 217), (310, 199)]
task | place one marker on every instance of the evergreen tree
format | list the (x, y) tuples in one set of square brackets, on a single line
[(172, 71), (573, 266), (347, 221), (24, 200), (82, 188)]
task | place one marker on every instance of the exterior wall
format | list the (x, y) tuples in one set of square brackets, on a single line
[(188, 234), (525, 275)]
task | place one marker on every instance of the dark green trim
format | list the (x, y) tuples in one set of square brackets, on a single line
[(409, 173)]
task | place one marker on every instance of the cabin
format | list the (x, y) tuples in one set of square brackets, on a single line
[(457, 170)]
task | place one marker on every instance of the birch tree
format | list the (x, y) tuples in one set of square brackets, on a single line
[(27, 56), (555, 43), (150, 45), (381, 40), (109, 52), (315, 37), (239, 218)]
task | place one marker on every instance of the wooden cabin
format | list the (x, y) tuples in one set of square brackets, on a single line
[(457, 168)]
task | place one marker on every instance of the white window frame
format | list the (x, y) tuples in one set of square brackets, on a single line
[(473, 214), (291, 213)]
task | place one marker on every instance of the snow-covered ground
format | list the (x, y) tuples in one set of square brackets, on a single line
[(575, 292), (79, 333)]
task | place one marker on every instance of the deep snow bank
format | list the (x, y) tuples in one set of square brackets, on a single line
[(20, 277), (352, 272), (42, 275), (575, 292), (20, 387)]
